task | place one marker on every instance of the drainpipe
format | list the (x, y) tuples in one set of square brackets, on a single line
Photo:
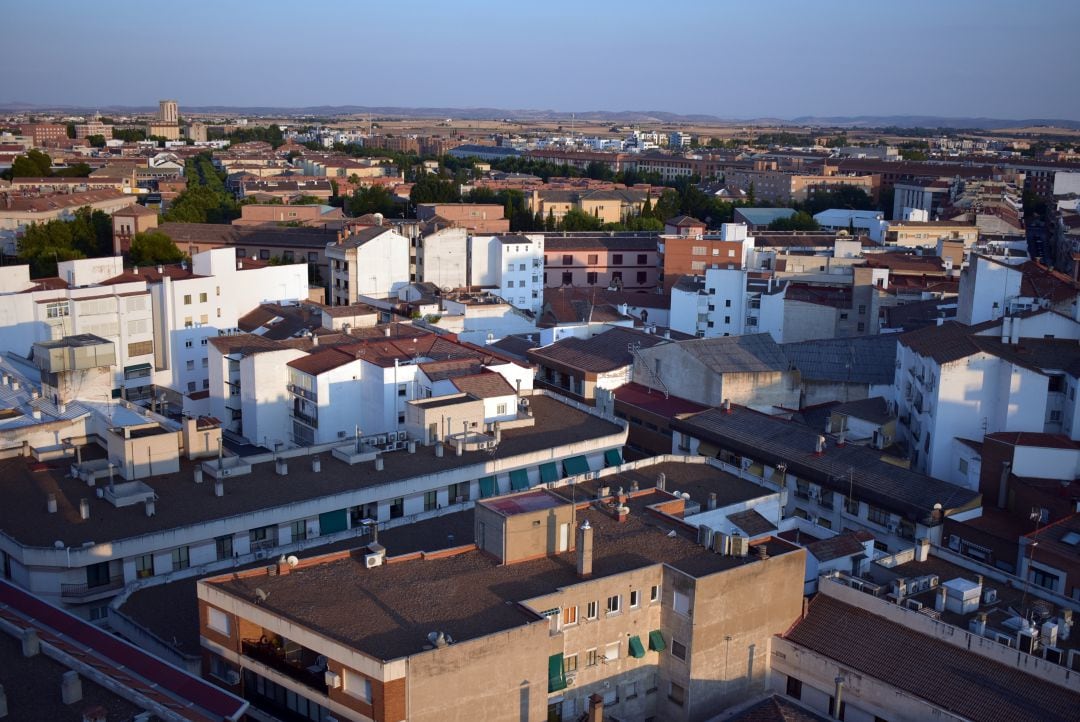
[(837, 698)]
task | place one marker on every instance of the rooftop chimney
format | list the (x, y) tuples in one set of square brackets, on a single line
[(70, 687), (219, 487), (84, 509), (712, 500), (819, 448), (922, 550), (596, 708), (584, 550), (939, 599), (31, 643), (727, 406), (50, 503)]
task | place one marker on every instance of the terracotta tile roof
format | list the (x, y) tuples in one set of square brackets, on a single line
[(948, 676), (135, 210), (952, 341), (834, 296), (1030, 438), (752, 522), (322, 361), (841, 545), (605, 351), (486, 385), (776, 709)]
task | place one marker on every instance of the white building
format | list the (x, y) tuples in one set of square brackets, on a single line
[(442, 258), (871, 223), (990, 289), (373, 262), (513, 263), (960, 382), (192, 307)]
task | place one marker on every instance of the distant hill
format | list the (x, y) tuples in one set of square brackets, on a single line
[(606, 116)]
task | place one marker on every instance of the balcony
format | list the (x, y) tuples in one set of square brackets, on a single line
[(74, 592), (302, 392), (290, 659), (312, 421)]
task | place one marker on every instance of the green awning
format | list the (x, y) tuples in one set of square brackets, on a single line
[(575, 465), (137, 367), (333, 521), (549, 472), (636, 648), (612, 457), (556, 679), (488, 487), (519, 479), (656, 641)]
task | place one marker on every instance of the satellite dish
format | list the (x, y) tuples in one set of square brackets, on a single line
[(261, 595), (292, 561)]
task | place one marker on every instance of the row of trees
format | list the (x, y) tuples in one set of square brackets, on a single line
[(38, 164), (206, 199)]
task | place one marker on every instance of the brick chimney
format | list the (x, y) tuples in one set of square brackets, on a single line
[(596, 708)]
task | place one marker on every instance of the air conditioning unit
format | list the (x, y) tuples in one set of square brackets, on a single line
[(954, 542), (380, 440), (341, 434), (232, 677), (225, 472), (705, 536), (373, 560), (333, 679), (570, 679), (990, 596), (914, 605), (1054, 655)]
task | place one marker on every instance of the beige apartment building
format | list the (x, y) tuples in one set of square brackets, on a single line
[(780, 186), (479, 218), (609, 605), (927, 234)]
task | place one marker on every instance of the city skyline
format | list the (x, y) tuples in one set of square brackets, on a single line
[(755, 62)]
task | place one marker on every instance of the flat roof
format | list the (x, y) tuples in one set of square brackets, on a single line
[(523, 503), (966, 684), (388, 611), (26, 486)]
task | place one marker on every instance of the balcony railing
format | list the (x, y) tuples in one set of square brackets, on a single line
[(80, 591), (310, 420), (303, 670)]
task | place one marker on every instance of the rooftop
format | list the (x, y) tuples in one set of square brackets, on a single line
[(750, 353), (387, 611), (874, 409), (857, 359), (25, 486), (775, 440), (606, 351), (948, 676)]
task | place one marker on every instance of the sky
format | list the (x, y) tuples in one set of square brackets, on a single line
[(764, 58)]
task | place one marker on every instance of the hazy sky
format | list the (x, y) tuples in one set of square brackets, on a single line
[(1018, 59)]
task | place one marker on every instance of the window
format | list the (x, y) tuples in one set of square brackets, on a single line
[(202, 297), (591, 278), (181, 558), (224, 547), (591, 610), (590, 658), (357, 685), (727, 303), (878, 516), (680, 602), (642, 259), (642, 276), (217, 620), (569, 663), (568, 260), (593, 259), (191, 386), (569, 615), (794, 688), (963, 467), (264, 254), (697, 251), (187, 299), (843, 317), (851, 506), (635, 599), (99, 613), (567, 278), (677, 694), (509, 266), (204, 319), (397, 508), (431, 500), (614, 604), (654, 593), (140, 348), (189, 343), (202, 342), (205, 362), (1043, 579), (57, 310), (144, 566), (187, 322), (191, 365), (312, 257), (862, 310), (678, 650), (402, 389), (616, 259), (299, 530), (611, 652), (97, 575)]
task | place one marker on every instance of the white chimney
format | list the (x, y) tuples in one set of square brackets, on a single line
[(198, 474), (84, 509), (51, 503), (316, 465), (584, 550), (922, 550), (819, 448), (1015, 331), (70, 687), (150, 507), (219, 487), (379, 463)]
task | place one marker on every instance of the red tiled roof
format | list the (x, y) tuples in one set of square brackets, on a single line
[(484, 385), (322, 361), (654, 401)]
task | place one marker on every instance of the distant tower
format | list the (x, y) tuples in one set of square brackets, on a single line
[(168, 112)]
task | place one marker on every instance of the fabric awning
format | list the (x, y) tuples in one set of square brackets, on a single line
[(575, 465), (519, 479), (488, 487), (636, 648), (612, 457), (707, 449), (137, 367), (556, 679), (656, 641), (333, 521), (549, 472)]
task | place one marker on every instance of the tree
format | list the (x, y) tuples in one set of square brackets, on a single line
[(70, 130), (373, 199), (129, 135), (152, 248), (840, 196), (78, 170), (576, 219), (801, 221), (35, 164), (96, 141), (430, 189)]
